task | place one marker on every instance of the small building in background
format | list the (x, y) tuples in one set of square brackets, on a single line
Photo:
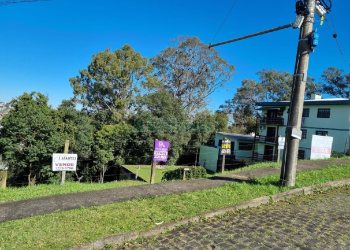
[(241, 151)]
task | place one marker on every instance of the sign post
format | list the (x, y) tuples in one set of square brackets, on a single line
[(160, 154), (64, 162), (3, 173), (225, 150)]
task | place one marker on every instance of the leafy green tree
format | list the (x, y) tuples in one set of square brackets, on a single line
[(28, 137), (191, 72), (112, 147), (336, 83), (108, 86), (159, 116), (77, 127)]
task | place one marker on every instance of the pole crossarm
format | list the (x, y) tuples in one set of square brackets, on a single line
[(252, 35)]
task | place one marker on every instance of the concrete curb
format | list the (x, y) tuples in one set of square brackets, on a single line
[(120, 238)]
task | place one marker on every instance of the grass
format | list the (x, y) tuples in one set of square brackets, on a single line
[(66, 229), (144, 171), (30, 192)]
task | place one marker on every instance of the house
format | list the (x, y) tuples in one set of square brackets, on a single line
[(324, 117), (241, 149)]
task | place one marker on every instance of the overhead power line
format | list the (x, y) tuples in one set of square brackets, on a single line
[(225, 19), (335, 36), (19, 1)]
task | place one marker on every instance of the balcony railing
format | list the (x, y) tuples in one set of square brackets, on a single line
[(272, 121)]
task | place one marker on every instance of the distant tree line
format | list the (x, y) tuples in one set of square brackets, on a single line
[(122, 102)]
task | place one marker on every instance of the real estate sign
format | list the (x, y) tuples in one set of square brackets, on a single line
[(321, 147), (161, 149), (225, 147), (64, 162)]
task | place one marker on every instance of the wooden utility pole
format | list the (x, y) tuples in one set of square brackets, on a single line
[(65, 151), (293, 133), (153, 171), (153, 166)]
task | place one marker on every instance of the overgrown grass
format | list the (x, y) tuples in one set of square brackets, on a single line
[(66, 229), (29, 192), (144, 171)]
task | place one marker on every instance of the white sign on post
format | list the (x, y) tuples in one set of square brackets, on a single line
[(281, 142), (321, 147), (64, 162)]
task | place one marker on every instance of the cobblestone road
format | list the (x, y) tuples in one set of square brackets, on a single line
[(320, 221)]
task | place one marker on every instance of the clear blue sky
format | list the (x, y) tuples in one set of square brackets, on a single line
[(43, 44)]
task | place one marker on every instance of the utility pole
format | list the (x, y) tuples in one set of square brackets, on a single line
[(293, 133)]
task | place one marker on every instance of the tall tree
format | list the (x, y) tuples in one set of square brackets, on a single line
[(336, 83), (159, 116), (191, 72), (110, 82), (29, 135)]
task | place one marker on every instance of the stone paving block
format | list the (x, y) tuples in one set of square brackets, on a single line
[(319, 221)]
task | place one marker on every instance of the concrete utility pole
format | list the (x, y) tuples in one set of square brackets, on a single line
[(293, 133)]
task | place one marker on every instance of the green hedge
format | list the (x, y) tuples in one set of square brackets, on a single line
[(192, 173)]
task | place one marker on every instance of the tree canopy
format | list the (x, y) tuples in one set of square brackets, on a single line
[(30, 133), (191, 72), (336, 83), (110, 82)]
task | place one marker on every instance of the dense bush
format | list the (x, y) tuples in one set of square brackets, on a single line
[(192, 173)]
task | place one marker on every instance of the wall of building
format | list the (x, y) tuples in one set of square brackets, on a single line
[(208, 157), (337, 126)]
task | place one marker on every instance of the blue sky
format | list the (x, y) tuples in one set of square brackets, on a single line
[(43, 44)]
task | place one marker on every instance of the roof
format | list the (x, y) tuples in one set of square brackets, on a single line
[(330, 101), (238, 137)]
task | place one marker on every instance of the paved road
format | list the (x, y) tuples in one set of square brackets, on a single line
[(44, 205), (320, 221)]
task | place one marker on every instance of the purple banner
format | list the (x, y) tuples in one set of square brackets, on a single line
[(161, 151)]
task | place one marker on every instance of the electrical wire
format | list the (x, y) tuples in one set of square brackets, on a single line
[(335, 36), (20, 1), (224, 20)]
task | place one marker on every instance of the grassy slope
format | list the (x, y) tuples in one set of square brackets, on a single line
[(144, 171), (22, 193), (66, 229)]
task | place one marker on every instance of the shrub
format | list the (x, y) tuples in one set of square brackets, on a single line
[(192, 173)]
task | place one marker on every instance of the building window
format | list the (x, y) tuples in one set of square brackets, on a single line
[(322, 132), (301, 154), (246, 146), (323, 113), (306, 112), (303, 133)]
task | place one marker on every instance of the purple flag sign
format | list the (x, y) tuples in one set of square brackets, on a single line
[(161, 150)]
